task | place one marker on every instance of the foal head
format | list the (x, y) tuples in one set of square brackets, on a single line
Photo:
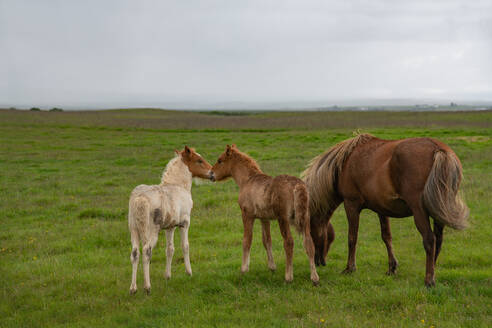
[(197, 165), (223, 168), (230, 159)]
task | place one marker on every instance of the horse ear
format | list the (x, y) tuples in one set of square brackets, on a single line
[(187, 150), (177, 152), (228, 150)]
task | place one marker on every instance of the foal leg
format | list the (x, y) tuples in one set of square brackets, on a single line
[(134, 259), (386, 236), (147, 255), (248, 222), (438, 228), (169, 251), (288, 247), (353, 212), (422, 223), (309, 247), (267, 242), (186, 247)]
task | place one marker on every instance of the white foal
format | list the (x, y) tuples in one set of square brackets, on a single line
[(164, 206)]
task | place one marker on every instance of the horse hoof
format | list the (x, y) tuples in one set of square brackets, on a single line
[(430, 284), (392, 268), (133, 291), (348, 271), (316, 283), (147, 291)]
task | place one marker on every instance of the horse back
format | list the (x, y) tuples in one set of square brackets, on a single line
[(384, 174), (412, 162)]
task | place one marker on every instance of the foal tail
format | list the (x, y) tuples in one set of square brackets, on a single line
[(441, 196), (138, 217), (301, 208)]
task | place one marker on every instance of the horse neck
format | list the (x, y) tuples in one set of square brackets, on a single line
[(241, 172), (332, 204), (178, 174)]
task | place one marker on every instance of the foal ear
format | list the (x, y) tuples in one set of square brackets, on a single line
[(187, 150)]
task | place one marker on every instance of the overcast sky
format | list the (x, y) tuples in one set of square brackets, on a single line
[(175, 53)]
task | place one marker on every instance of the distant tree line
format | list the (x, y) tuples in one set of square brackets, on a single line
[(54, 109)]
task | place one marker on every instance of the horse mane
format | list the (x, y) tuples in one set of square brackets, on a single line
[(246, 160), (177, 173), (322, 172)]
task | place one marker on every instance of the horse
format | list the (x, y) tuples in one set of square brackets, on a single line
[(417, 177), (164, 206), (284, 198)]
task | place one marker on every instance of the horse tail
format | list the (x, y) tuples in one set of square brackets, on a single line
[(301, 208), (440, 196)]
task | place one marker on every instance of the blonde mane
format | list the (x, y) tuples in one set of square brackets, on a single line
[(322, 173), (177, 173)]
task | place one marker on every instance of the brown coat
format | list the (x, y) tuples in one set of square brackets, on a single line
[(283, 198), (394, 178)]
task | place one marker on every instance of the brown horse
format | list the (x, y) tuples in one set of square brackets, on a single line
[(394, 178), (284, 198)]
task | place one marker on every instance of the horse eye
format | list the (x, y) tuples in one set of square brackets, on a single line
[(219, 161), (200, 161)]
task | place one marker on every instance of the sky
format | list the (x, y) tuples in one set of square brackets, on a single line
[(180, 54)]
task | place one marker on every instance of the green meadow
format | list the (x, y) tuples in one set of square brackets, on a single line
[(65, 180)]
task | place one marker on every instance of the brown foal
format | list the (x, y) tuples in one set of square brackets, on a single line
[(394, 178), (284, 198)]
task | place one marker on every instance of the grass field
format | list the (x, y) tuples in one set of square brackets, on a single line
[(65, 180)]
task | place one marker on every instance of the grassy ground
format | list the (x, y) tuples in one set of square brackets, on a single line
[(65, 180)]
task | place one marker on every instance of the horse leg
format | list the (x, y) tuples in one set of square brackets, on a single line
[(267, 242), (186, 247), (386, 236), (438, 229), (422, 223), (353, 211), (169, 251), (309, 247), (134, 260), (288, 247), (248, 222), (147, 255)]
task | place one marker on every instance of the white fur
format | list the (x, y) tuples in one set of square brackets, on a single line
[(156, 207)]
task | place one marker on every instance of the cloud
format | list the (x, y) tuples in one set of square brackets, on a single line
[(116, 53)]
